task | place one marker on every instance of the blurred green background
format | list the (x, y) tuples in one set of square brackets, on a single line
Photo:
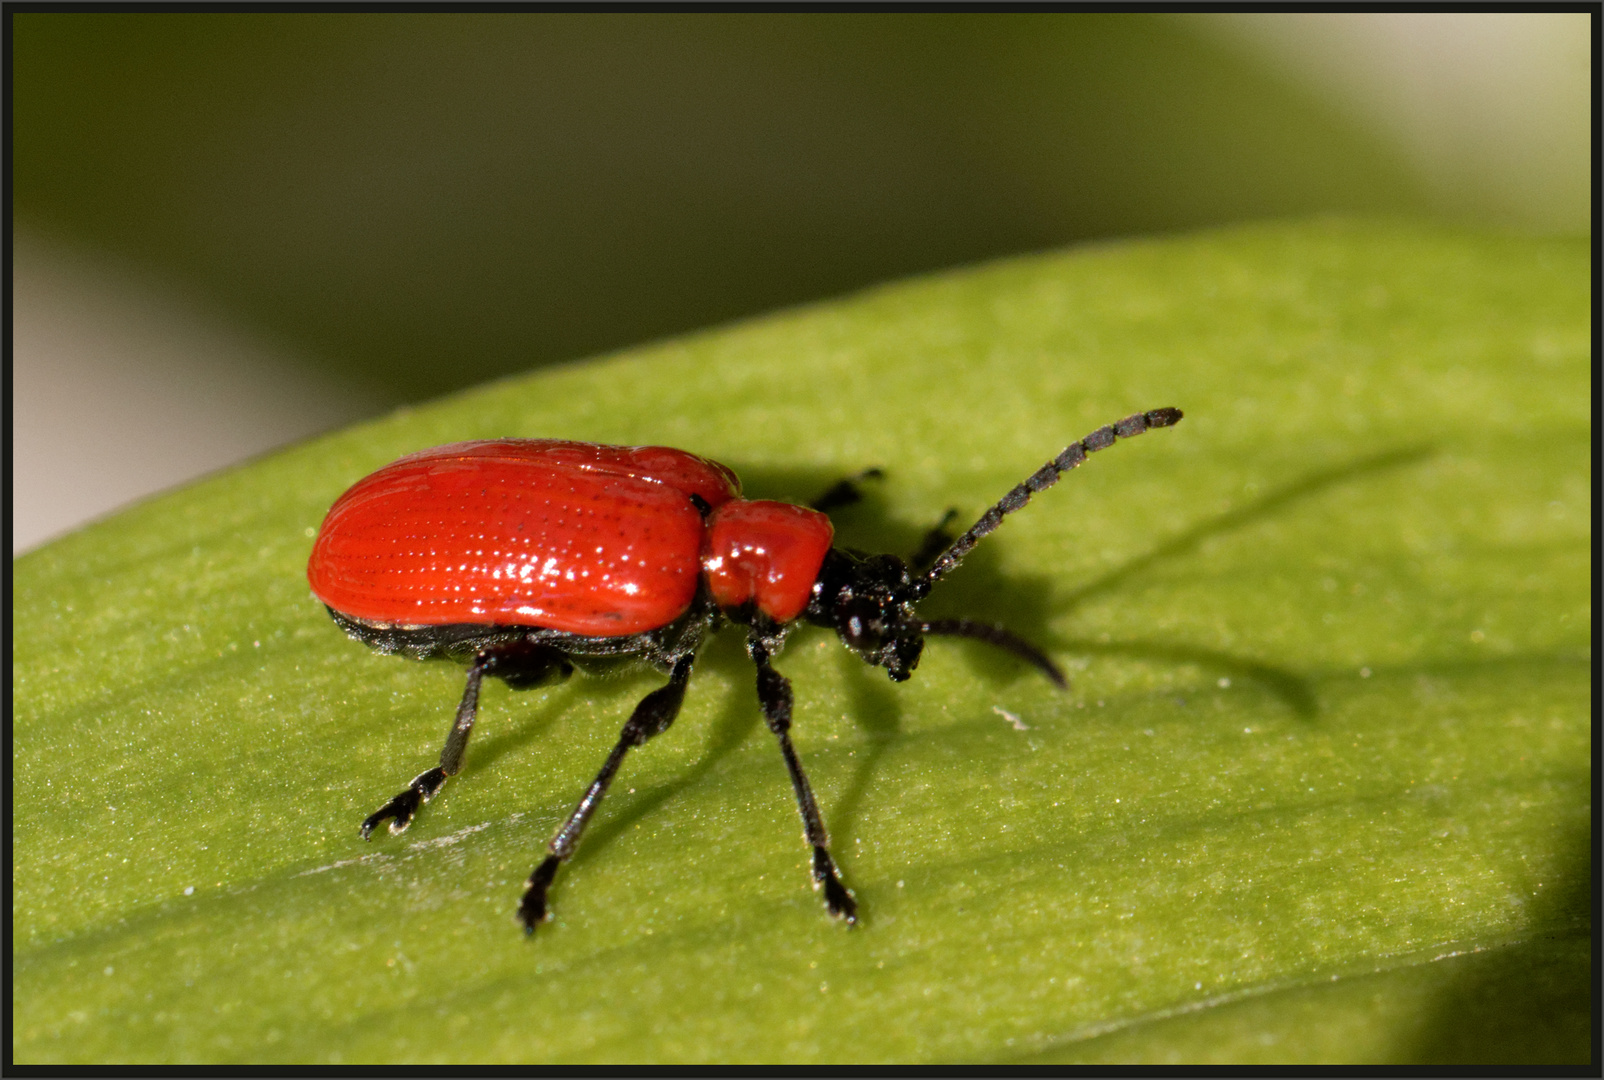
[(364, 210)]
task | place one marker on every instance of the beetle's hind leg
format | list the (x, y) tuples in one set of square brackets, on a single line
[(521, 664)]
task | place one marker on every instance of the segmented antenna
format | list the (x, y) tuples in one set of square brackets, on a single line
[(1044, 478), (1002, 638)]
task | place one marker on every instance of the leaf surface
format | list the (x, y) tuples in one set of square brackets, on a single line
[(1319, 791)]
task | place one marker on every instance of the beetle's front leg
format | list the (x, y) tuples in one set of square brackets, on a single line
[(774, 694)]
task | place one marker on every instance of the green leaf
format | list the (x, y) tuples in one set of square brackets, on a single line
[(1319, 790)]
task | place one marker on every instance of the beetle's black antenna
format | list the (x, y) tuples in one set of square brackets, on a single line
[(1001, 637), (1043, 478)]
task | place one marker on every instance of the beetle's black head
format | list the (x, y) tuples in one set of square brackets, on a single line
[(864, 599), (869, 599)]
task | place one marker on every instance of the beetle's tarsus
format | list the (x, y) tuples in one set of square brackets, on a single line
[(401, 809), (398, 811), (836, 898), (532, 910)]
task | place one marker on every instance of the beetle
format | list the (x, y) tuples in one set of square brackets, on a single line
[(525, 556)]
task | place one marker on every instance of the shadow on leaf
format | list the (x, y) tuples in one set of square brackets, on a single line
[(1260, 509)]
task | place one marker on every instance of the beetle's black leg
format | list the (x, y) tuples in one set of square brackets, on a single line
[(652, 716), (845, 492), (937, 540), (774, 693), (521, 664)]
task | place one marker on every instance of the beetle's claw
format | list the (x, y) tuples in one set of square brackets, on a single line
[(840, 902), (532, 910), (401, 809), (836, 897), (398, 811)]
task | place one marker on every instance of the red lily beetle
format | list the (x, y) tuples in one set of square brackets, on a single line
[(523, 555)]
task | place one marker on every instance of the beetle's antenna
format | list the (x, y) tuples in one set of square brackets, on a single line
[(1043, 478), (1001, 637)]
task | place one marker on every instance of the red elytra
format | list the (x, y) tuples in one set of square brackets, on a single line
[(587, 539), (528, 554)]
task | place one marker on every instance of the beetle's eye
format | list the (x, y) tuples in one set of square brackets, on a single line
[(860, 625)]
